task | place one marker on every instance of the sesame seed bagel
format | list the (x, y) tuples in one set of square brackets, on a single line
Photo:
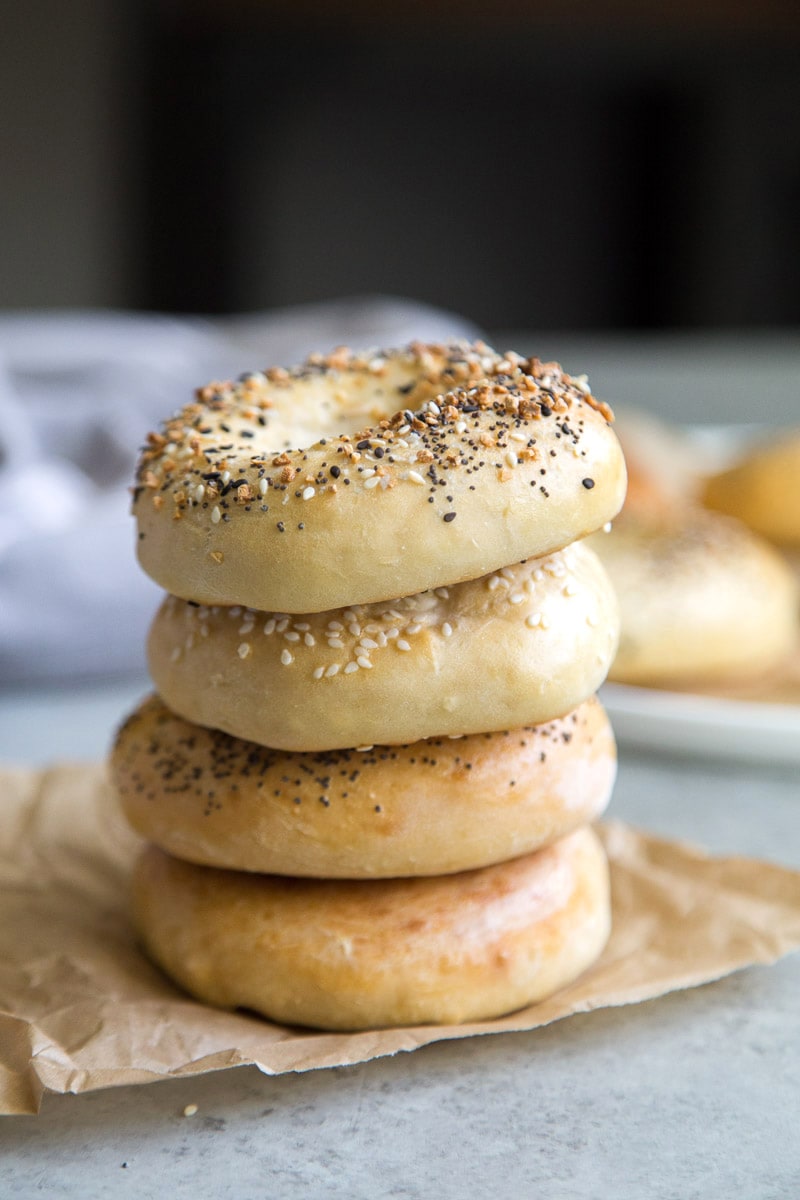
[(763, 490), (518, 647), (430, 808), (353, 479), (371, 953), (701, 599)]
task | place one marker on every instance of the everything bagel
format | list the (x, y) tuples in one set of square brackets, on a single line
[(353, 479), (517, 647), (432, 808), (364, 954)]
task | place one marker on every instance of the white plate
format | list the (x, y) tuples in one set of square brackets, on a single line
[(703, 725)]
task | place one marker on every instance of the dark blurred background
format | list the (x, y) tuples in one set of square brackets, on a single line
[(550, 165)]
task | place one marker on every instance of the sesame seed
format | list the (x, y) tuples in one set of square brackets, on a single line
[(447, 629), (269, 627), (286, 657), (332, 670), (244, 650), (533, 620), (373, 482), (415, 477), (363, 661), (516, 598), (350, 668), (216, 515), (226, 477), (308, 493), (309, 639), (319, 672), (402, 644), (335, 643), (263, 484), (291, 636)]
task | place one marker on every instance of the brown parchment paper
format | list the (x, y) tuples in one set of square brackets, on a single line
[(81, 1008)]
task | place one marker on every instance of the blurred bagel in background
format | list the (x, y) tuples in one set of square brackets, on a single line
[(762, 489), (701, 598)]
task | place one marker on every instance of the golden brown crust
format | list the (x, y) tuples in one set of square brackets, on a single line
[(360, 955), (356, 479), (701, 598), (431, 808), (763, 490), (518, 647)]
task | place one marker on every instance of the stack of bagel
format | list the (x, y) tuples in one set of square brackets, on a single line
[(369, 774)]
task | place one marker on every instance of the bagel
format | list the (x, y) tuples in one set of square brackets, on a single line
[(431, 808), (701, 599), (518, 647), (345, 955), (763, 490), (353, 479)]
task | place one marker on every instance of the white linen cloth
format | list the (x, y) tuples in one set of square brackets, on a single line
[(78, 393)]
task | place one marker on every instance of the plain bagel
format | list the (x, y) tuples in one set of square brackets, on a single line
[(431, 808), (518, 647), (367, 954), (353, 479)]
